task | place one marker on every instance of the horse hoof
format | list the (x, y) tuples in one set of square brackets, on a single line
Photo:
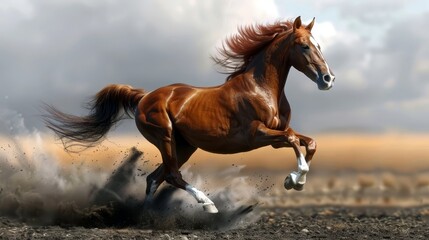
[(289, 183), (299, 187), (210, 208)]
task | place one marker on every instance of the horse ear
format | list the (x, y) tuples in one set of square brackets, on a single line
[(310, 25), (297, 23)]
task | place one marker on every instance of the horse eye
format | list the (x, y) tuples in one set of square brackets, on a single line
[(305, 47)]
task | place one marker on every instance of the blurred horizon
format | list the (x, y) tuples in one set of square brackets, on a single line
[(364, 152)]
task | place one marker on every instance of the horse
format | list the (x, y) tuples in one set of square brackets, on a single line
[(250, 110)]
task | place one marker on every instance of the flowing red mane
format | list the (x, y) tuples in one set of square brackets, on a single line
[(237, 50)]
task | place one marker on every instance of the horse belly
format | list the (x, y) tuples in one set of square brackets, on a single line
[(217, 141), (226, 147)]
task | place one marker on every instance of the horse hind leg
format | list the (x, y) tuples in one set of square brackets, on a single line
[(208, 204), (153, 181), (174, 177), (174, 154), (183, 152)]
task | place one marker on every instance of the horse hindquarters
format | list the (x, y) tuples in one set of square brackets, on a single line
[(155, 124)]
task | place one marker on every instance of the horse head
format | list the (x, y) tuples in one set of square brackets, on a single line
[(306, 56)]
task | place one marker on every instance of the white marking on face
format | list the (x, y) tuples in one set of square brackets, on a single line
[(317, 46), (314, 42)]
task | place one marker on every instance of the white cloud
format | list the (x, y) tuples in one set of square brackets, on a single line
[(325, 33)]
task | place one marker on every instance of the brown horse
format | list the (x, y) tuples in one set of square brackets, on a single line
[(248, 111)]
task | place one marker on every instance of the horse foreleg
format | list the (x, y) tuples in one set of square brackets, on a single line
[(310, 146), (287, 138), (298, 179)]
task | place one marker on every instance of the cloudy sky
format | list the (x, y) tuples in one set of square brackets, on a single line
[(62, 52)]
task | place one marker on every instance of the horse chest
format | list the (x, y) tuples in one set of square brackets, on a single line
[(271, 118), (274, 123)]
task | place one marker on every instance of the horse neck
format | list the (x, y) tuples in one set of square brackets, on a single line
[(270, 70), (275, 77)]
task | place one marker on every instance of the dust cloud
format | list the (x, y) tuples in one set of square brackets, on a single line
[(38, 188)]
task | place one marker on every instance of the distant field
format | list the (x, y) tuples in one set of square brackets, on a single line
[(364, 152)]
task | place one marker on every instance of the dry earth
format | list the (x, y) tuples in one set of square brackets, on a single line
[(307, 222)]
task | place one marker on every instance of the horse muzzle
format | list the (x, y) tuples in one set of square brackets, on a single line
[(326, 81)]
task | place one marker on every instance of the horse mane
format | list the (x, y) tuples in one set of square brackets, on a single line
[(238, 50)]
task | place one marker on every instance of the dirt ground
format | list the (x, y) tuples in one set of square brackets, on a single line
[(306, 222), (41, 199)]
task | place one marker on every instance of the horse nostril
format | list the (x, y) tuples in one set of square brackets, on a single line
[(327, 78)]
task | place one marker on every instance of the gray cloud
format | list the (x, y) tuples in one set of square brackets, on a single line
[(62, 52)]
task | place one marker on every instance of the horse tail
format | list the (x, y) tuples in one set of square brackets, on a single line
[(110, 105)]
